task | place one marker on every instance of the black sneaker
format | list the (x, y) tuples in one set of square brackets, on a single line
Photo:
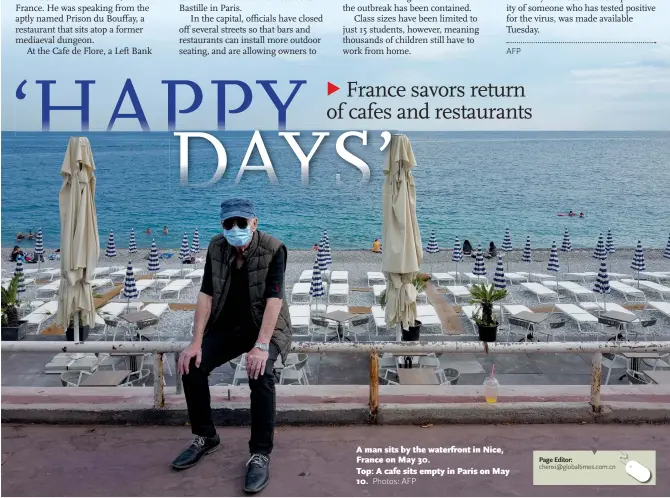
[(199, 447), (258, 473)]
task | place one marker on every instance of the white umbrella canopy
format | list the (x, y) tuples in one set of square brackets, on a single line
[(403, 252), (79, 241)]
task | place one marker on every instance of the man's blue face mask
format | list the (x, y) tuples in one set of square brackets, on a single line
[(238, 237)]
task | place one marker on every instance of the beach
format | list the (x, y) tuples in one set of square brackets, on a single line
[(340, 368)]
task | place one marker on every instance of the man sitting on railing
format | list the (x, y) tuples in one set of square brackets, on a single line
[(240, 309)]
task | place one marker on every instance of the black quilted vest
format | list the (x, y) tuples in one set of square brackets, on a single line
[(258, 257)]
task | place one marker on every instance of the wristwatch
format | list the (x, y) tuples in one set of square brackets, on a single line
[(262, 346)]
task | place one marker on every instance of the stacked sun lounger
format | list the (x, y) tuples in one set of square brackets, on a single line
[(376, 277), (441, 278), (459, 292), (41, 314), (176, 287), (630, 293)]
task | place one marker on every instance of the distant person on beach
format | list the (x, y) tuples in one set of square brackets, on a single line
[(165, 230), (581, 215), (30, 235), (376, 246), (571, 213), (493, 251), (316, 247), (467, 247), (241, 309), (148, 231), (16, 253)]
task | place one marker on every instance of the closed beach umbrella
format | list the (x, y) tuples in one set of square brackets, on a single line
[(110, 252), (609, 247), (18, 271), (499, 281), (130, 290), (638, 261), (527, 257), (553, 261), (457, 254), (507, 244), (316, 288), (183, 250), (600, 252), (39, 248), (154, 264), (479, 269), (566, 246), (602, 285), (79, 240), (432, 247), (322, 259), (132, 245), (666, 253), (195, 246), (403, 254), (326, 248)]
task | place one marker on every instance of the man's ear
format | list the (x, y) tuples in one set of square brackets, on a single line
[(254, 224)]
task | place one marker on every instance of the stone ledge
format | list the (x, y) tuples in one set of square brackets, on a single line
[(344, 405)]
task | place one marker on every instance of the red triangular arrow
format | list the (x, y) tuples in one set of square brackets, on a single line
[(332, 88)]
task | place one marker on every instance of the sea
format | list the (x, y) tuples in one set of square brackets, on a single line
[(470, 185)]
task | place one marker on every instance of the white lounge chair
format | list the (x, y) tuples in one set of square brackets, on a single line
[(338, 291), (196, 274), (579, 292), (306, 276), (441, 278), (539, 276), (49, 273), (300, 316), (41, 314), (516, 278), (376, 276), (176, 286), (300, 293), (141, 285), (103, 270), (579, 315), (618, 276), (582, 276), (661, 306), (630, 293), (459, 292), (540, 291), (168, 274), (157, 309), (658, 276), (339, 277), (32, 271), (116, 309), (472, 278), (48, 290), (379, 317), (98, 283), (662, 290)]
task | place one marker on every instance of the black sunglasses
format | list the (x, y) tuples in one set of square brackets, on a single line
[(230, 222)]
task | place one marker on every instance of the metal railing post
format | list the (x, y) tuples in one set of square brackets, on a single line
[(596, 378), (159, 381), (180, 385), (374, 386)]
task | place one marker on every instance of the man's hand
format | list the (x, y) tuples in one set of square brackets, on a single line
[(256, 360), (192, 351)]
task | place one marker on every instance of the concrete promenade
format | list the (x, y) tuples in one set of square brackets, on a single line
[(83, 460)]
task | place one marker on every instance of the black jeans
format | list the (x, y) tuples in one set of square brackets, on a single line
[(217, 349)]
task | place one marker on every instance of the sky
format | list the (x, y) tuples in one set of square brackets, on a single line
[(567, 86)]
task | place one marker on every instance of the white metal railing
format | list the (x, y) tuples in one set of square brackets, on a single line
[(373, 348)]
